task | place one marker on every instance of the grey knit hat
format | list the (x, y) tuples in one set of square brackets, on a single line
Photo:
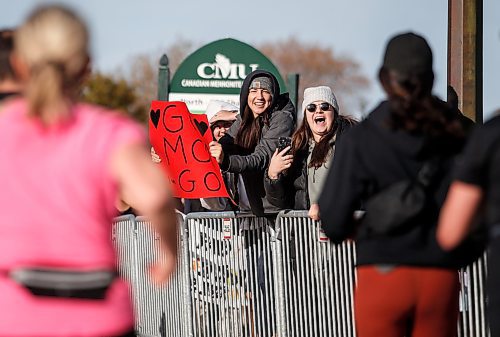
[(321, 93), (261, 83)]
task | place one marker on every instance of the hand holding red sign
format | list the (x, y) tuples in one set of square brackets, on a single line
[(181, 140)]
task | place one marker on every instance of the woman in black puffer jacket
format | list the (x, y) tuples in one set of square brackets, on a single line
[(294, 181)]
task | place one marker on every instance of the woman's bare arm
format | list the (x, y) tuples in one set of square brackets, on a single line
[(457, 214), (145, 188)]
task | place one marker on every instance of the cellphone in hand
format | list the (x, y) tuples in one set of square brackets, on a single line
[(284, 142)]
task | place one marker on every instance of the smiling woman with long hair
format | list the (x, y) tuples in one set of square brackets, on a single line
[(265, 115)]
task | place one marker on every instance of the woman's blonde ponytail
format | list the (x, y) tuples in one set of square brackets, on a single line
[(53, 43), (45, 88)]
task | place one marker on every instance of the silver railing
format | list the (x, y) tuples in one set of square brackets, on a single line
[(472, 319), (239, 275), (231, 274), (316, 281), (159, 311)]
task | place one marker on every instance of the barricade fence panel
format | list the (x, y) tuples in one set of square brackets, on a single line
[(241, 275), (473, 318), (159, 311), (123, 239), (231, 274), (317, 279), (311, 262)]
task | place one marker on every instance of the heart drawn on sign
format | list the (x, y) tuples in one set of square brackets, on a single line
[(155, 117), (202, 126)]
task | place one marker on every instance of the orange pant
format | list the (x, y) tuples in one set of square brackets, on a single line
[(406, 302)]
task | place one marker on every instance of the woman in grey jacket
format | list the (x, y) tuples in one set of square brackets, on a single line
[(295, 180), (265, 115)]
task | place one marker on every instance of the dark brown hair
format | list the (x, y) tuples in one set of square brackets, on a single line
[(6, 47), (414, 109), (303, 135), (249, 133)]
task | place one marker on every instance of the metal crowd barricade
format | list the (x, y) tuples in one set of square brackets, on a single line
[(239, 275), (316, 279), (231, 274), (472, 320), (159, 311)]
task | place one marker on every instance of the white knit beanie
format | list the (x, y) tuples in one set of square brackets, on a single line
[(215, 106), (321, 93)]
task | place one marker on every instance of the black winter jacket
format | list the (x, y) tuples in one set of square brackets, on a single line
[(369, 158), (290, 190), (252, 165)]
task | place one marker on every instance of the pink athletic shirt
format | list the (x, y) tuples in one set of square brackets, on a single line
[(57, 204)]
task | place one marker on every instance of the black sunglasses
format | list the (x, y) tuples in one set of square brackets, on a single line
[(323, 106)]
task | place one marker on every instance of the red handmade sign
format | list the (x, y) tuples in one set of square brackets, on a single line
[(181, 140)]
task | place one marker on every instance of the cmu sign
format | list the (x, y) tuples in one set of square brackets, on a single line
[(222, 68), (217, 71)]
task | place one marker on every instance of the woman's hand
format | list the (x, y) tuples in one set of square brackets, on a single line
[(216, 151), (280, 161), (314, 212), (162, 270), (155, 157)]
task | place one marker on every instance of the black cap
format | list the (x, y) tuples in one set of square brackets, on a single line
[(408, 54)]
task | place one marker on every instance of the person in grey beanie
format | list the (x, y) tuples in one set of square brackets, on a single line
[(265, 116), (295, 180)]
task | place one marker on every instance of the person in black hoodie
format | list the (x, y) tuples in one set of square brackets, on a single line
[(294, 181), (265, 115), (9, 84), (406, 284), (475, 195)]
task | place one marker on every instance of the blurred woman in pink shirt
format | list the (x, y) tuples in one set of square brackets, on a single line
[(62, 166)]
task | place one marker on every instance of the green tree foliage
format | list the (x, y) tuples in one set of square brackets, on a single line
[(114, 94), (136, 85), (141, 71)]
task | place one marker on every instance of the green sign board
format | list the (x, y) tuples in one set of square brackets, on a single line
[(217, 71)]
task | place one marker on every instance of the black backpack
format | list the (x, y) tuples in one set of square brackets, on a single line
[(394, 209)]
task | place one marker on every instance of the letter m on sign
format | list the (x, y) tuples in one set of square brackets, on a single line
[(178, 143)]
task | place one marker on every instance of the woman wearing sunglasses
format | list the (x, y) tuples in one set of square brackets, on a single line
[(296, 173)]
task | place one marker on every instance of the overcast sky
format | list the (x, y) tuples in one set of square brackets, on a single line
[(358, 28)]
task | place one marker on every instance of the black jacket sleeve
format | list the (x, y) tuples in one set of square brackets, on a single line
[(342, 190), (276, 191), (474, 163)]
